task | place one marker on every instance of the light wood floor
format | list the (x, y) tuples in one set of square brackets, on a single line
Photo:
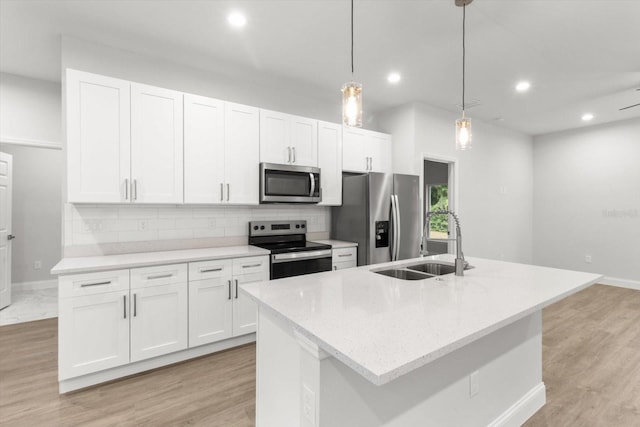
[(591, 354)]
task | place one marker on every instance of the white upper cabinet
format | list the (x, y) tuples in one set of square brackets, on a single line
[(156, 144), (204, 151), (366, 151), (98, 138), (242, 158), (288, 139), (330, 162)]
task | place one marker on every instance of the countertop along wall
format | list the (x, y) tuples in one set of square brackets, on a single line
[(495, 177), (587, 201)]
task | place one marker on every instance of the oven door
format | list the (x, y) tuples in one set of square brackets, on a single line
[(289, 184), (298, 263)]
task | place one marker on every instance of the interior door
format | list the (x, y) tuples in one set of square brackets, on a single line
[(5, 229)]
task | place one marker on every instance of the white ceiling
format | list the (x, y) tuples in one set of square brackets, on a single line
[(580, 55)]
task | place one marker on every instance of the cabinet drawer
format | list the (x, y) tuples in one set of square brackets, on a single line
[(344, 254), (75, 285), (257, 264), (210, 269), (158, 275), (343, 265)]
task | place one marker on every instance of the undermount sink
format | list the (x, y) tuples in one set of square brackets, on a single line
[(420, 271)]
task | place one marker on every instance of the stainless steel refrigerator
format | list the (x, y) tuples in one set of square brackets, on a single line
[(380, 212)]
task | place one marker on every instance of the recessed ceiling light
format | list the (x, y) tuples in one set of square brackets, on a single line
[(586, 117), (394, 77), (523, 86), (237, 20)]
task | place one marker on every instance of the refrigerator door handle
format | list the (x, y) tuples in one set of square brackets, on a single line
[(398, 225), (394, 228)]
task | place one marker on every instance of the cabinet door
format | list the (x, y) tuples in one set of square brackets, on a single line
[(330, 163), (378, 149), (210, 302), (353, 143), (98, 138), (203, 150), (242, 154), (158, 320), (275, 137), (156, 144), (93, 333), (304, 141), (244, 308)]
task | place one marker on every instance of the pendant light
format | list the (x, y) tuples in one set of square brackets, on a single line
[(352, 94), (463, 125)]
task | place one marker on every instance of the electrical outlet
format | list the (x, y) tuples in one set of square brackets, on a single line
[(587, 259), (212, 223), (37, 265), (143, 225), (309, 404), (474, 383)]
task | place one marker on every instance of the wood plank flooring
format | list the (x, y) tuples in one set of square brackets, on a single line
[(591, 357)]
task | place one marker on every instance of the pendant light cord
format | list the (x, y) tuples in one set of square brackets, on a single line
[(464, 8), (352, 39)]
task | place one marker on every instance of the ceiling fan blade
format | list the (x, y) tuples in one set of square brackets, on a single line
[(630, 106)]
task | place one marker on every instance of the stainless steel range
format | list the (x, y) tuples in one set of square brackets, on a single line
[(291, 253)]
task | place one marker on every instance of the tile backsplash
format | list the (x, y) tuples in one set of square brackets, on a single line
[(102, 229)]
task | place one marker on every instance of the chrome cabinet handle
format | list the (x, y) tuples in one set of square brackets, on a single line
[(126, 189), (86, 285), (289, 155), (251, 265), (124, 305), (335, 267), (294, 154), (313, 185), (160, 276), (229, 282), (135, 305), (228, 191), (209, 270), (11, 237), (344, 255), (236, 288), (221, 192), (134, 192)]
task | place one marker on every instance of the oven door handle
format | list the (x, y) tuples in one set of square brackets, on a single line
[(299, 256)]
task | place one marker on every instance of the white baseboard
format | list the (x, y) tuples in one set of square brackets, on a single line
[(523, 409), (621, 283), (35, 285), (71, 384)]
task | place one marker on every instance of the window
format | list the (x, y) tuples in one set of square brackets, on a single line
[(438, 200)]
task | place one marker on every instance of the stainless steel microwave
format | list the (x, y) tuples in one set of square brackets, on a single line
[(289, 184)]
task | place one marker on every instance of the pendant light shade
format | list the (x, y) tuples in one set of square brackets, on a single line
[(463, 125), (352, 94), (352, 104)]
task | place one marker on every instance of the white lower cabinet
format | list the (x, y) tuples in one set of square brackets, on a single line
[(93, 322), (217, 309), (342, 258)]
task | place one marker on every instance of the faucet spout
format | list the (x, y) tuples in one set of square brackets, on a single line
[(460, 262)]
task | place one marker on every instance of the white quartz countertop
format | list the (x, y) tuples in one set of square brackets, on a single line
[(337, 244), (144, 259), (384, 327)]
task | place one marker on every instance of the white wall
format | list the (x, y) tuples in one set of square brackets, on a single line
[(587, 199), (495, 178), (30, 114)]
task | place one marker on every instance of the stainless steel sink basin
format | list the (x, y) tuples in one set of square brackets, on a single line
[(398, 273), (419, 271)]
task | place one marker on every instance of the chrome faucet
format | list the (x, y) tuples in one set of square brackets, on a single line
[(460, 263)]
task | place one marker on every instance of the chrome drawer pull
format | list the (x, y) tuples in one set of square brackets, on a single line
[(236, 288), (209, 270), (344, 255), (124, 306), (229, 289), (251, 266), (86, 285), (160, 276)]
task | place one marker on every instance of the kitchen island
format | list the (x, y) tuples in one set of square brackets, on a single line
[(356, 348)]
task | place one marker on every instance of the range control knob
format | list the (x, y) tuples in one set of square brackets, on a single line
[(255, 227), (303, 226), (297, 225), (262, 227)]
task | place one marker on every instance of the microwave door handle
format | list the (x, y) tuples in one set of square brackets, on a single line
[(313, 184)]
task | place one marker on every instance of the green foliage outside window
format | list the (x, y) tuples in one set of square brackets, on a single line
[(439, 200)]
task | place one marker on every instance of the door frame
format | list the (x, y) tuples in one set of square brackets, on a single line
[(454, 204), (9, 231)]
